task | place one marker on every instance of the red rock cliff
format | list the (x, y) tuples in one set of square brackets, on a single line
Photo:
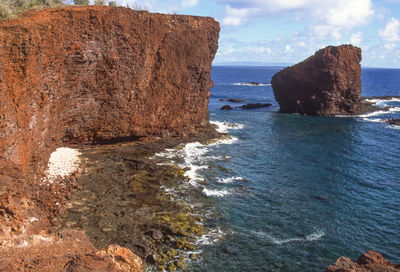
[(91, 74), (327, 83)]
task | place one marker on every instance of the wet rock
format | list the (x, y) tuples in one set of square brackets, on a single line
[(255, 106), (226, 107), (327, 83), (370, 261), (395, 122), (234, 100), (155, 234), (151, 259)]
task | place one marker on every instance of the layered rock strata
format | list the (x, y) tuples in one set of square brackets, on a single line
[(327, 83)]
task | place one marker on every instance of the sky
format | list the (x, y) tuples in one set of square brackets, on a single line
[(288, 31)]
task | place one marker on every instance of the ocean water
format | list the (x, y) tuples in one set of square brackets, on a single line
[(291, 192)]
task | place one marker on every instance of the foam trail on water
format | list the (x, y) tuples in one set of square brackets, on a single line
[(374, 120), (377, 113), (309, 238), (382, 101)]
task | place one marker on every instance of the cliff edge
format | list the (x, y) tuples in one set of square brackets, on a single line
[(93, 74), (89, 75)]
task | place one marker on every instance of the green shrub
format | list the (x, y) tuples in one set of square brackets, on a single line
[(12, 8), (99, 2), (81, 2), (112, 4)]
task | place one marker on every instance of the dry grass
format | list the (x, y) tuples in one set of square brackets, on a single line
[(12, 8)]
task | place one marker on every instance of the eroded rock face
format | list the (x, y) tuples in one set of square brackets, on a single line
[(93, 74), (370, 261), (88, 75), (325, 84)]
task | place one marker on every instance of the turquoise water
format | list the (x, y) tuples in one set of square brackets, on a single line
[(293, 193)]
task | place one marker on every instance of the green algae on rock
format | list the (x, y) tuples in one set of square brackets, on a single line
[(122, 201)]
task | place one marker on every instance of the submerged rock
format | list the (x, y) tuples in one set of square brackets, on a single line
[(255, 106), (370, 261), (327, 83)]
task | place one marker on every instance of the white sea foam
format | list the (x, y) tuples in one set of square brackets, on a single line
[(374, 120), (377, 113), (226, 141), (252, 84), (382, 101), (193, 152), (168, 153), (217, 193), (193, 156), (309, 238), (229, 180), (224, 127), (211, 237), (62, 163)]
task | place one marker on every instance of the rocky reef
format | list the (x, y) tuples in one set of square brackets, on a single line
[(327, 83), (80, 76), (370, 261)]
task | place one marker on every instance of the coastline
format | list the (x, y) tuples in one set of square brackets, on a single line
[(159, 229), (123, 200)]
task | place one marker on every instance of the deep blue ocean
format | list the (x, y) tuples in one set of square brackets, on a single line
[(291, 192)]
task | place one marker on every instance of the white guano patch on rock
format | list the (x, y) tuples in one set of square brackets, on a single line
[(62, 163)]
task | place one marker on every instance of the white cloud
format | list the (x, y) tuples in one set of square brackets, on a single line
[(390, 33), (330, 31), (288, 48), (189, 3), (356, 38), (236, 16), (329, 16)]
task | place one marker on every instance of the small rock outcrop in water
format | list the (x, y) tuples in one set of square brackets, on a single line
[(370, 261), (325, 84), (226, 107), (395, 122), (255, 106), (234, 100)]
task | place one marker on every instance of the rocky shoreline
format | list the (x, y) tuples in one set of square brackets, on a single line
[(116, 198), (122, 201)]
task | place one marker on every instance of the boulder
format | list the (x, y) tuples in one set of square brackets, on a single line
[(235, 100), (226, 107), (395, 122), (325, 84)]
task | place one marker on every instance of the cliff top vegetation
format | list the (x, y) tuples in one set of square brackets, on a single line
[(12, 8)]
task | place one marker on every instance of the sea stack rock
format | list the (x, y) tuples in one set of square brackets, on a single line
[(325, 84)]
